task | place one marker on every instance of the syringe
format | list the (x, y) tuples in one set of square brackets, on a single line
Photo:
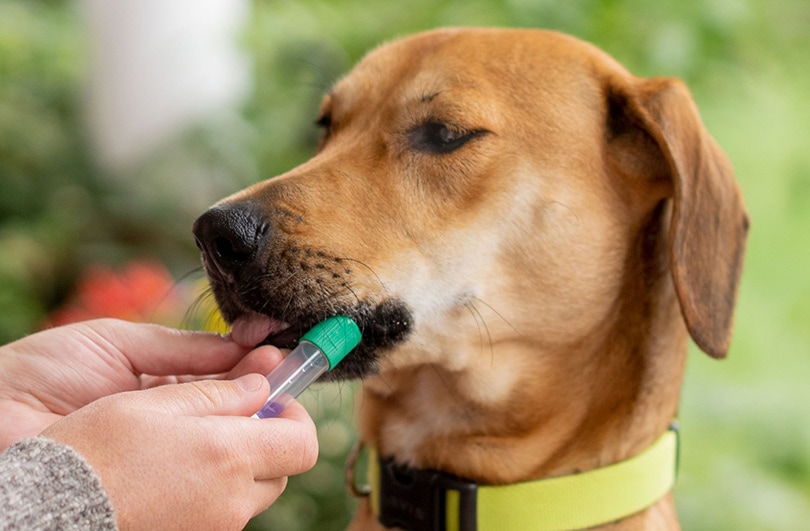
[(323, 347)]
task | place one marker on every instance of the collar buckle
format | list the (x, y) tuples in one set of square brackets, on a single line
[(425, 500)]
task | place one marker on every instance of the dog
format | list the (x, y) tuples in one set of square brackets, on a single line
[(527, 235)]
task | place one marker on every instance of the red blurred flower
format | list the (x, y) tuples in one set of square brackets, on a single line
[(142, 291)]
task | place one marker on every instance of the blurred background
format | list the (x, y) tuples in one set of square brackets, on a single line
[(121, 121)]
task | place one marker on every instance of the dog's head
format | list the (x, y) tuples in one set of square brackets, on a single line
[(474, 188)]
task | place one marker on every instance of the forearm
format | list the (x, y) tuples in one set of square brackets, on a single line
[(47, 485)]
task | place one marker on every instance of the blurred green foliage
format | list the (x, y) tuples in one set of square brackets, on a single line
[(59, 209), (43, 162), (745, 421)]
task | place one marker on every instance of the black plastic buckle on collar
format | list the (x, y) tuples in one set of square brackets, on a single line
[(416, 500)]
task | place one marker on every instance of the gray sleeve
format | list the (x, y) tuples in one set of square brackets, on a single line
[(47, 485)]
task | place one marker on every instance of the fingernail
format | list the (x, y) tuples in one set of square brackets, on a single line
[(250, 382)]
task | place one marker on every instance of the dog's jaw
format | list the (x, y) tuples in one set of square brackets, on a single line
[(383, 325)]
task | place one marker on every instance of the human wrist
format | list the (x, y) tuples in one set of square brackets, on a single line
[(67, 489)]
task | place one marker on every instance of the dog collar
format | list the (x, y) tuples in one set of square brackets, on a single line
[(419, 500)]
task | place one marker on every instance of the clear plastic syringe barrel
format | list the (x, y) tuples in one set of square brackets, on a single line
[(292, 376)]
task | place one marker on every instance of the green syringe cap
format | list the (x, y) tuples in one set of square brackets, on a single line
[(336, 337)]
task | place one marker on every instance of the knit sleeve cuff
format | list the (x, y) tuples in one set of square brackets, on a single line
[(48, 485)]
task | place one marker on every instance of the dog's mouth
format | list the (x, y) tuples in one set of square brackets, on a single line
[(383, 325), (279, 333), (287, 338)]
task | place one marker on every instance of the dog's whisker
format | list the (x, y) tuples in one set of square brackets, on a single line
[(451, 389), (387, 384), (482, 329), (325, 78), (176, 284), (496, 312), (254, 284), (369, 268), (348, 289), (476, 315), (201, 302), (185, 276)]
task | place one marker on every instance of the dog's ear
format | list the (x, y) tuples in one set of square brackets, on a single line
[(657, 122)]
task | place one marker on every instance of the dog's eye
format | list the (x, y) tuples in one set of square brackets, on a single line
[(433, 137), (325, 123)]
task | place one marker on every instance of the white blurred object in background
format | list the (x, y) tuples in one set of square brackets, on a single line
[(158, 67)]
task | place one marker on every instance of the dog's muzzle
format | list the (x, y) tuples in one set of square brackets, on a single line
[(253, 267)]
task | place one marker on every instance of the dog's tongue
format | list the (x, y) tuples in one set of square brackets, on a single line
[(251, 329)]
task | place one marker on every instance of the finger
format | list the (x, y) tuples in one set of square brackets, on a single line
[(147, 380), (241, 397), (284, 446), (261, 360), (158, 350), (296, 412)]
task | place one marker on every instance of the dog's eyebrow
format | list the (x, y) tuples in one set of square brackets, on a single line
[(327, 103), (329, 97), (427, 98)]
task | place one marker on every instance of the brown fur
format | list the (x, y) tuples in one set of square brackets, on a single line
[(554, 266)]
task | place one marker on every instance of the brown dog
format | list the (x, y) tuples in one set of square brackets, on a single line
[(526, 233)]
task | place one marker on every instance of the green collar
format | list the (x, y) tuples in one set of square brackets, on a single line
[(432, 500)]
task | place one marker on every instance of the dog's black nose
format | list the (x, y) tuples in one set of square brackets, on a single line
[(230, 238)]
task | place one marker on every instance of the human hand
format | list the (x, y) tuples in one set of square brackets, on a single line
[(187, 456), (47, 375)]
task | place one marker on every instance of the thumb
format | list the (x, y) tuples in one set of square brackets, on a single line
[(240, 397)]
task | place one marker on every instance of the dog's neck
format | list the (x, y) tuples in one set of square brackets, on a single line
[(568, 411)]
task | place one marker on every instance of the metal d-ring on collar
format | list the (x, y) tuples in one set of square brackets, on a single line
[(357, 491), (410, 498)]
